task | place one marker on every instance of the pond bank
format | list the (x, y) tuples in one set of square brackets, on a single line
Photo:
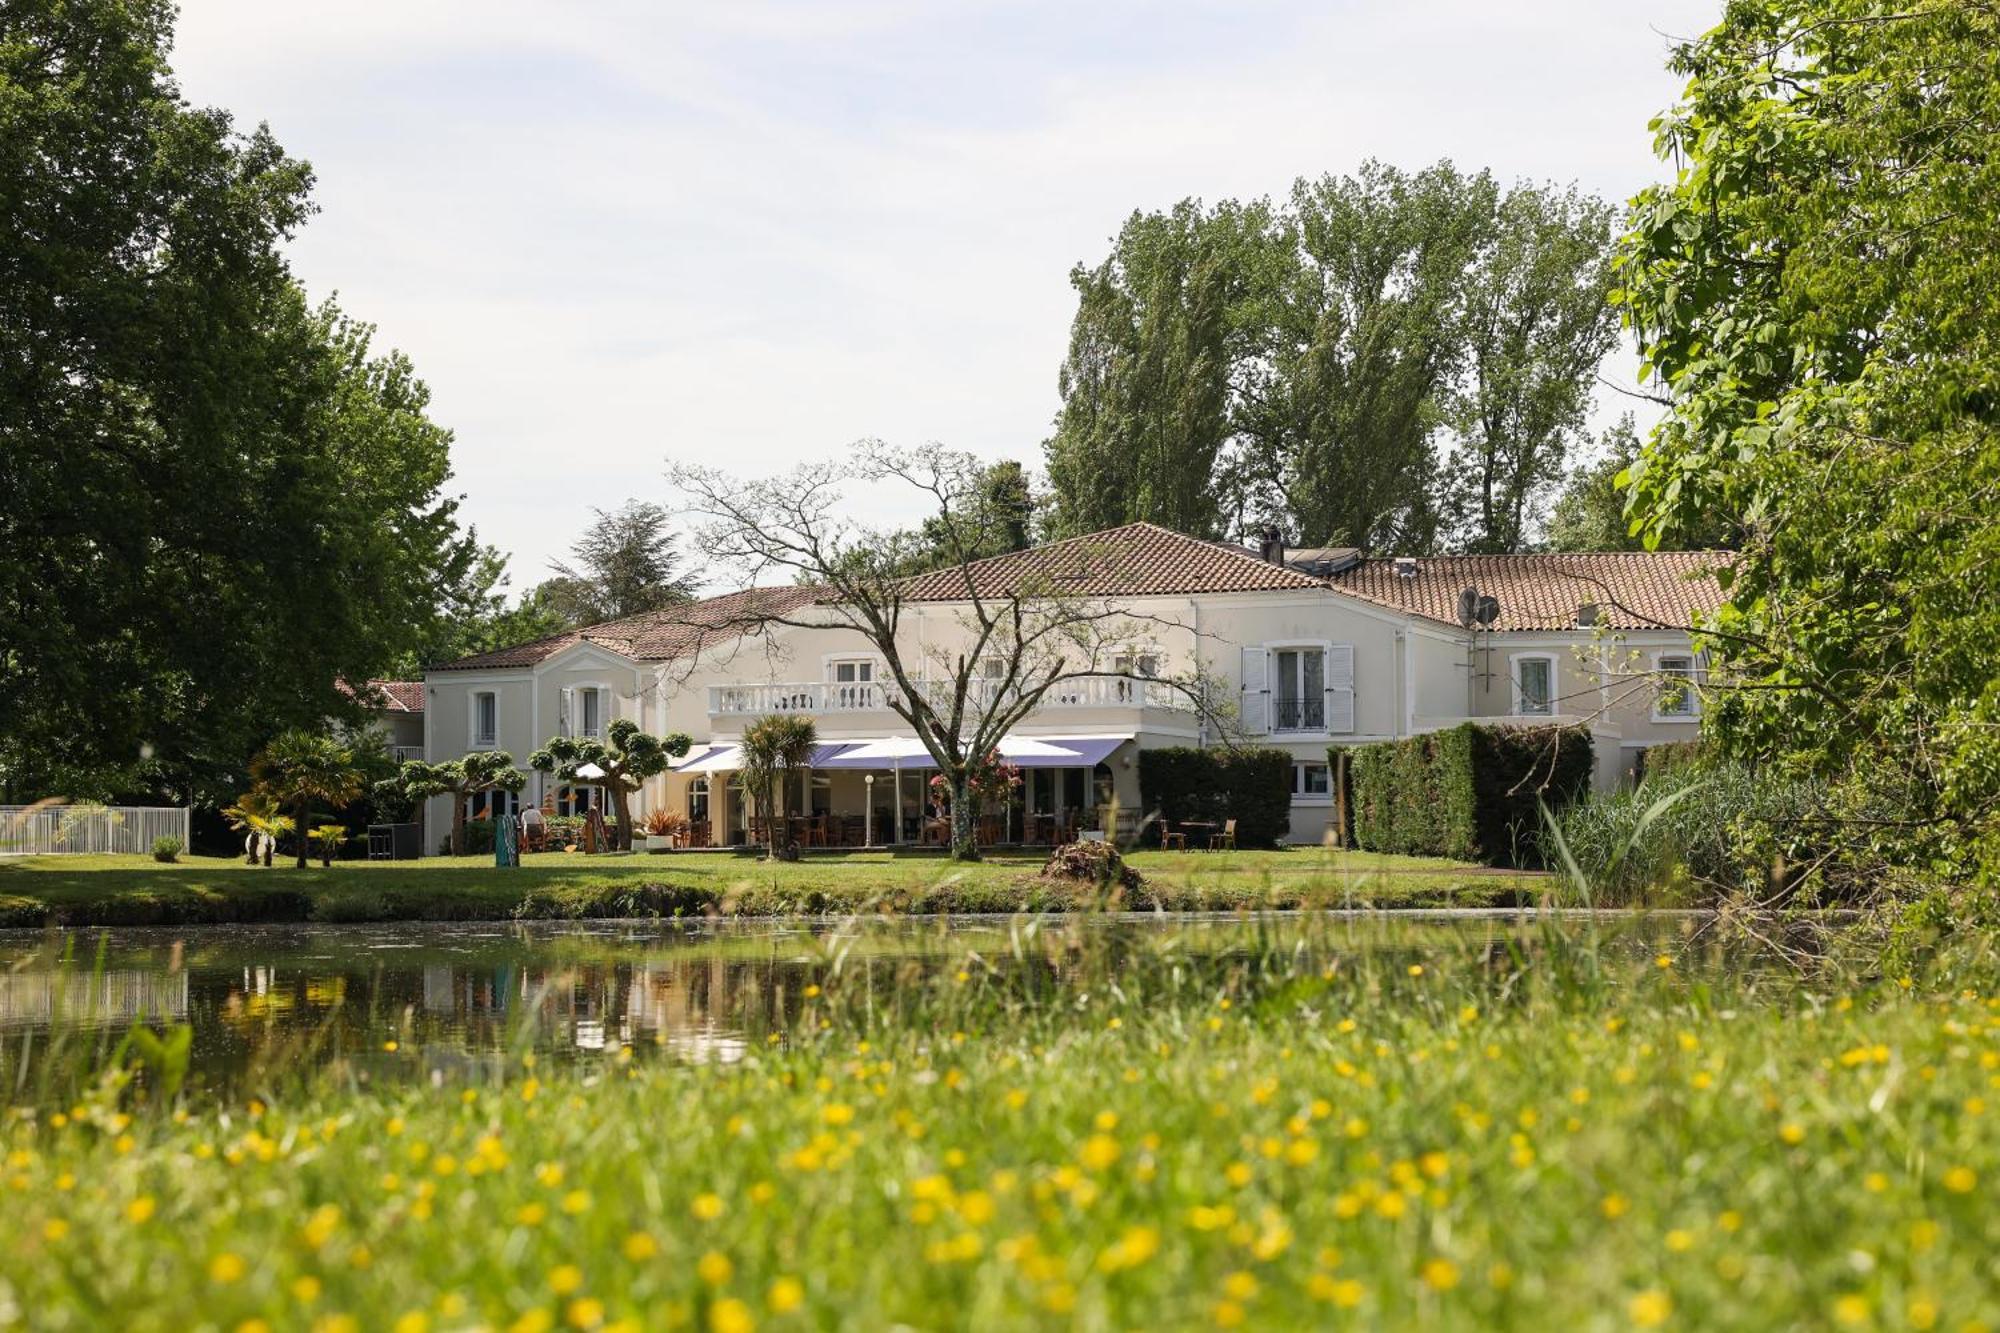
[(133, 892)]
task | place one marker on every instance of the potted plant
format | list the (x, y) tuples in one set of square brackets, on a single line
[(664, 829)]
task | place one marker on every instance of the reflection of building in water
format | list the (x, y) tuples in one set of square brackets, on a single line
[(38, 998), (696, 1007)]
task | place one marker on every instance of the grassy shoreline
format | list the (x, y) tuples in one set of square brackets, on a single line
[(1439, 1136), (135, 891)]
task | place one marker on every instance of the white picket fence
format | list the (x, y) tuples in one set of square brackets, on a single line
[(52, 830)]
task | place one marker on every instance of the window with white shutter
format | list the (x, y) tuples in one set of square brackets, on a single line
[(1254, 709)]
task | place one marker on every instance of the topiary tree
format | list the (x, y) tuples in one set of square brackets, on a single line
[(461, 779), (300, 767), (622, 763)]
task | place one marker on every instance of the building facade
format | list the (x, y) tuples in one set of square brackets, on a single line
[(1298, 650)]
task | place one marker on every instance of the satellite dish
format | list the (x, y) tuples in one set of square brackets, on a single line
[(1468, 606), (1488, 610)]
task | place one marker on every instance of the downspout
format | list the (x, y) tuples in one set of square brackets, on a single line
[(1403, 683), (1194, 657)]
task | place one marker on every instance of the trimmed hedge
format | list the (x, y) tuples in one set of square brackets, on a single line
[(1468, 793), (1671, 758), (1251, 786)]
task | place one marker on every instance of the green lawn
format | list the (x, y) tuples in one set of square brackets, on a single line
[(1448, 1135), (115, 890)]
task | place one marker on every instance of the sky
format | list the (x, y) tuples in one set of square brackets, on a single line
[(753, 233)]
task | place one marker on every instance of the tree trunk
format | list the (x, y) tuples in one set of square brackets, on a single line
[(299, 828), (621, 809), (964, 846), (458, 823)]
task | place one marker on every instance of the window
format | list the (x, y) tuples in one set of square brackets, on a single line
[(590, 712), (853, 682), (1676, 685), (698, 801), (495, 805), (1534, 686), (1312, 784), (1298, 690), (485, 719), (1146, 666)]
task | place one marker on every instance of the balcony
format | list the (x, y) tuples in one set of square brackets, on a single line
[(404, 753), (820, 698), (1298, 715)]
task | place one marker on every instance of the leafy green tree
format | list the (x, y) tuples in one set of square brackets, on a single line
[(300, 767), (1536, 324), (626, 564), (1146, 385), (461, 779), (623, 761), (219, 500), (774, 749), (1358, 340), (1814, 291), (998, 516), (1243, 365), (1590, 514), (476, 616)]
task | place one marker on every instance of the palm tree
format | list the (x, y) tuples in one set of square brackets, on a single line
[(300, 767), (255, 815), (774, 748)]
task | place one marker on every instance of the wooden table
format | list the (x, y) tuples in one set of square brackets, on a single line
[(1199, 828)]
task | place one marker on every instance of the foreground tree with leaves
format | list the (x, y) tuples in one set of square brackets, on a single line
[(461, 779), (1020, 627), (1815, 293), (620, 764), (188, 445)]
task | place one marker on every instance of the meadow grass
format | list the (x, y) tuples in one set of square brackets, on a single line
[(135, 890), (1505, 1129)]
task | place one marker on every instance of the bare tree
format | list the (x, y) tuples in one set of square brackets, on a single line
[(1029, 621)]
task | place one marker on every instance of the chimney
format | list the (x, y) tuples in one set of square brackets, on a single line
[(1271, 546)]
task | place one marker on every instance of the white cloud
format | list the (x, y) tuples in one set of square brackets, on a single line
[(752, 233)]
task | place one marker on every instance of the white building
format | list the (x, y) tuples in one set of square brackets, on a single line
[(1307, 648)]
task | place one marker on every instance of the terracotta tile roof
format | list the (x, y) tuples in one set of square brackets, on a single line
[(1137, 560), (1632, 589), (391, 696), (655, 635)]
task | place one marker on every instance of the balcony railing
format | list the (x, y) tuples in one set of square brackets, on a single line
[(819, 697), (1298, 715), (403, 753)]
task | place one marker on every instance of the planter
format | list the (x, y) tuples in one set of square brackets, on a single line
[(660, 842)]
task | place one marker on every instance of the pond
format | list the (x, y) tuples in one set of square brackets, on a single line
[(445, 1002)]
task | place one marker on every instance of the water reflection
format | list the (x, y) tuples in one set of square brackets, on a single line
[(457, 1001)]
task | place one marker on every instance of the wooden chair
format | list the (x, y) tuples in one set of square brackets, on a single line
[(1225, 839), (1172, 841)]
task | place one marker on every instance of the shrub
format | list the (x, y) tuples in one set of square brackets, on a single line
[(167, 850), (1674, 757), (1739, 829), (1469, 793), (1251, 786)]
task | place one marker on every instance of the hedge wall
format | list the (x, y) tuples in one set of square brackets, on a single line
[(1468, 793), (1251, 786), (1671, 757)]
